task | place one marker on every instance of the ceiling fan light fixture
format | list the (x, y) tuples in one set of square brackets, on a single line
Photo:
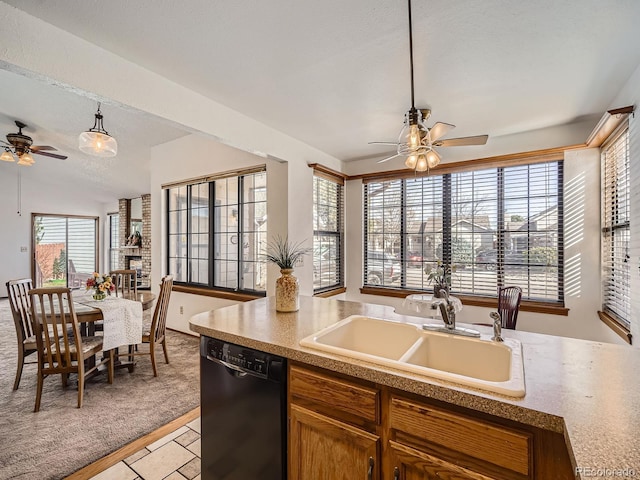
[(7, 156), (26, 160), (411, 161), (422, 165), (433, 159), (96, 141)]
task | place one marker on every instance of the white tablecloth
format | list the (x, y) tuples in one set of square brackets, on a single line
[(122, 319)]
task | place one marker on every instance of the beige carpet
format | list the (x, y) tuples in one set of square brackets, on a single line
[(60, 438)]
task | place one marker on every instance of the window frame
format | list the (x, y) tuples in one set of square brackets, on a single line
[(337, 234), (480, 299), (610, 217), (210, 288), (96, 241)]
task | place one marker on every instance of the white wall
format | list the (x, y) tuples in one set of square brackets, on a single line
[(37, 197), (204, 156), (582, 257)]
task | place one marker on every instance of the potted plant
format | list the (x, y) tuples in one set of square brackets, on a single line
[(285, 254), (440, 277)]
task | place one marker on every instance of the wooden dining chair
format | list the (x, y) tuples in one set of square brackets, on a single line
[(154, 327), (125, 282), (509, 299), (20, 303), (53, 315)]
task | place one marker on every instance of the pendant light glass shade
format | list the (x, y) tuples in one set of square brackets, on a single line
[(421, 164), (411, 161), (26, 160), (433, 159), (96, 141), (7, 156)]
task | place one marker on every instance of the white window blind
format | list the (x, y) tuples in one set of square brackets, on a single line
[(498, 226), (615, 227), (327, 234)]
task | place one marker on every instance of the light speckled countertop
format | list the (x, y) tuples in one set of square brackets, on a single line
[(588, 391)]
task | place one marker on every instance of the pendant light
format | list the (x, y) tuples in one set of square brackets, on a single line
[(97, 141)]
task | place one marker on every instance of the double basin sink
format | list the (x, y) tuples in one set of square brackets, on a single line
[(475, 362)]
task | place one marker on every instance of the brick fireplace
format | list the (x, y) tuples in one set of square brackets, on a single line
[(135, 257)]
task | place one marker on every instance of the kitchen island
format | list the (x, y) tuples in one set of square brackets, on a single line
[(587, 392)]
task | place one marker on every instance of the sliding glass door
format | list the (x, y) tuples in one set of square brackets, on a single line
[(65, 250)]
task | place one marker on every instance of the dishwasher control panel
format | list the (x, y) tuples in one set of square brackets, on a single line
[(244, 358)]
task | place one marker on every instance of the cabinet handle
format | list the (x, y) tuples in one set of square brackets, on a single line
[(370, 471), (396, 473)]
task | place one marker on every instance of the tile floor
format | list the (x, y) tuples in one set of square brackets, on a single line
[(173, 457)]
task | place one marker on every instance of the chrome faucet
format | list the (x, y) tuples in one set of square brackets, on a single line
[(497, 327), (448, 314), (447, 311)]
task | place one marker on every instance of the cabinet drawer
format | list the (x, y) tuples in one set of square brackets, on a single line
[(335, 394), (498, 445)]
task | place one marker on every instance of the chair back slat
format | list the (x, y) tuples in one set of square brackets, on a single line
[(508, 305), (20, 303), (125, 282), (53, 316), (159, 324)]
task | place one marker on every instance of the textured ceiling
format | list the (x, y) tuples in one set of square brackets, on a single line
[(335, 74)]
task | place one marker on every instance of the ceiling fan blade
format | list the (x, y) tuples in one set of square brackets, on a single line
[(383, 143), (36, 148), (440, 130), (8, 144), (52, 155), (462, 141), (388, 158)]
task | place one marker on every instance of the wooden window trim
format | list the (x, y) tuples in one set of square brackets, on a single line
[(608, 124), (208, 292), (328, 173), (510, 160), (618, 328), (473, 300), (330, 293)]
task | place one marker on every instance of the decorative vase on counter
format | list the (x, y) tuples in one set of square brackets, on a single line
[(99, 296), (287, 289)]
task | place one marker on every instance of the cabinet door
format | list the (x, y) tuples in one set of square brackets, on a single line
[(410, 464), (321, 448)]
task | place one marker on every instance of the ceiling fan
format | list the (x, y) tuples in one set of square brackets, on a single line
[(23, 147), (416, 141)]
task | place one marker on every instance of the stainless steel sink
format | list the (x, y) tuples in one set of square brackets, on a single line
[(474, 362)]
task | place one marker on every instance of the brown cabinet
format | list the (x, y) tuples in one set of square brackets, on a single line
[(411, 464), (346, 428), (321, 448)]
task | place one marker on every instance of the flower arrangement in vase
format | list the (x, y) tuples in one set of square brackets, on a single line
[(285, 254), (101, 285), (440, 277)]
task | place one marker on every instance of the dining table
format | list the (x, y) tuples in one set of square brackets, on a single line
[(116, 330)]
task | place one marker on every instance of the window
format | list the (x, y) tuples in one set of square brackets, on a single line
[(498, 226), (65, 250), (615, 228), (114, 240), (327, 234), (217, 231)]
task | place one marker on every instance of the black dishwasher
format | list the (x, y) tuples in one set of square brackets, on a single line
[(243, 395)]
